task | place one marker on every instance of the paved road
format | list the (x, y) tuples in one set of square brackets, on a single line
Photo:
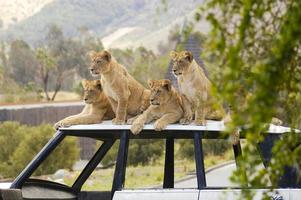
[(216, 177)]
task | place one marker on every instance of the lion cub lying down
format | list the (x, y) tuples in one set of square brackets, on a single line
[(195, 88), (96, 109), (127, 96), (165, 108)]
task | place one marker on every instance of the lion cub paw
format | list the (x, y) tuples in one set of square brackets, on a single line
[(200, 122), (185, 121), (131, 120), (118, 121), (276, 121), (61, 124), (136, 128), (159, 126)]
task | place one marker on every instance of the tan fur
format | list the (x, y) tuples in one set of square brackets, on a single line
[(195, 88), (166, 107), (96, 109), (127, 97), (242, 99)]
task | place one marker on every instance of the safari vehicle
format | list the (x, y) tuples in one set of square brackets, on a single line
[(29, 188)]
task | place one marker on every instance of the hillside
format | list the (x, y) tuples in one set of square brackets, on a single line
[(138, 18), (13, 11)]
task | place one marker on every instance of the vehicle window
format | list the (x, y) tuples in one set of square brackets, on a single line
[(145, 164), (101, 178), (67, 161), (185, 164), (219, 162)]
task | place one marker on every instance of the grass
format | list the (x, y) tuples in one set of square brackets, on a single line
[(64, 96), (144, 176)]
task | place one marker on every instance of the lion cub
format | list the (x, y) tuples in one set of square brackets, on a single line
[(194, 87), (127, 97), (166, 107), (96, 109)]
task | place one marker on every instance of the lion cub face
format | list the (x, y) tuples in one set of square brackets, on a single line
[(92, 90), (181, 61), (100, 62), (160, 91)]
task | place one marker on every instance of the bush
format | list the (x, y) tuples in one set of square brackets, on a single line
[(144, 151), (210, 147), (140, 152), (11, 134), (22, 143)]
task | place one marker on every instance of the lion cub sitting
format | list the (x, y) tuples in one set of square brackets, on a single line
[(195, 87), (96, 109), (127, 97), (165, 108)]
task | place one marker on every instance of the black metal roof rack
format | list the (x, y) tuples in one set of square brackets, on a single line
[(110, 133)]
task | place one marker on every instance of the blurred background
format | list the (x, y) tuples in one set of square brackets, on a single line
[(43, 58)]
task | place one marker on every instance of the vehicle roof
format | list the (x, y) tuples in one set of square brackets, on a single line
[(210, 126), (213, 129)]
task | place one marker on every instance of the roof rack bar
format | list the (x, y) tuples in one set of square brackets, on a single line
[(237, 152), (89, 168), (199, 160), (37, 160), (120, 169), (169, 164)]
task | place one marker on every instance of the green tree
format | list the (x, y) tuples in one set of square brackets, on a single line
[(4, 57), (146, 65), (141, 152), (45, 66), (20, 143), (60, 60), (87, 43), (210, 147), (256, 47), (22, 62), (11, 134), (29, 147)]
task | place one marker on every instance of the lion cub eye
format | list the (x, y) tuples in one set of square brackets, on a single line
[(158, 91), (98, 61)]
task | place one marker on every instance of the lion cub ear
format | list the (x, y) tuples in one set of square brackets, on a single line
[(92, 54), (188, 56), (98, 84), (106, 55), (151, 83), (84, 83), (173, 54), (166, 84)]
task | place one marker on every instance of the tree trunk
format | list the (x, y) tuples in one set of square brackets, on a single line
[(45, 85), (59, 81), (58, 85)]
